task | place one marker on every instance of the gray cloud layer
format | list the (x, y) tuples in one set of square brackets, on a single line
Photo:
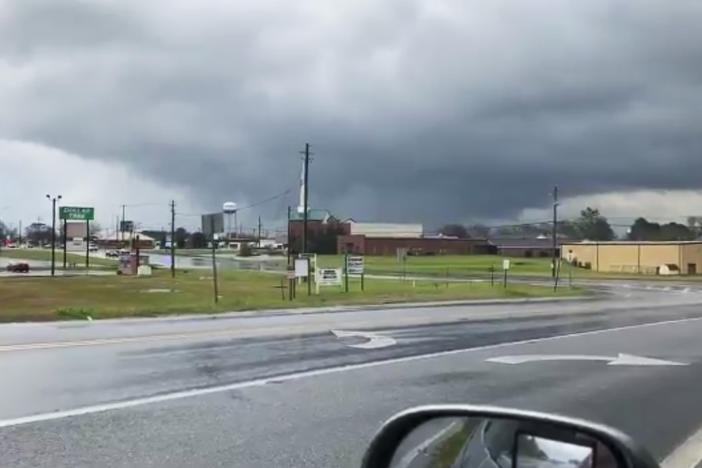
[(434, 110)]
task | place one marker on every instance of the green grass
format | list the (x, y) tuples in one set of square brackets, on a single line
[(43, 298), (479, 266), (441, 265), (446, 453), (45, 254)]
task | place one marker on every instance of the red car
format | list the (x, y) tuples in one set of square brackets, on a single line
[(18, 267)]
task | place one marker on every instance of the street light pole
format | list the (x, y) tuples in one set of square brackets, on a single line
[(53, 232)]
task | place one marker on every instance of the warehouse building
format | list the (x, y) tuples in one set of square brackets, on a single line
[(652, 258)]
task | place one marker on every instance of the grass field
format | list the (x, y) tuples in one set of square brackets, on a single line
[(45, 254), (442, 265), (479, 266), (124, 296)]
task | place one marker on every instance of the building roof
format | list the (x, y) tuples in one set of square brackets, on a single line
[(387, 229), (587, 242), (525, 243)]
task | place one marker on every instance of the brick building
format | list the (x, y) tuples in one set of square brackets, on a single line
[(366, 245)]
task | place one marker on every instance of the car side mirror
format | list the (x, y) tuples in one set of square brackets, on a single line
[(463, 436)]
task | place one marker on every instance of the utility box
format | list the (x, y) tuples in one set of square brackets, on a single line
[(128, 264)]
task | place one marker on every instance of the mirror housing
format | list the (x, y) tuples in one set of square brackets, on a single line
[(526, 426)]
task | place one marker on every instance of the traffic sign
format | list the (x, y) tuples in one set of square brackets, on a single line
[(76, 213)]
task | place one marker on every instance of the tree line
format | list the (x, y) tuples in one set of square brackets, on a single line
[(590, 225)]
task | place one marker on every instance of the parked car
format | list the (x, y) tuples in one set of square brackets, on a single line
[(18, 267), (112, 254)]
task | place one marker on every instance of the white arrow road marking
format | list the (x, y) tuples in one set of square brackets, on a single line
[(374, 340), (619, 360)]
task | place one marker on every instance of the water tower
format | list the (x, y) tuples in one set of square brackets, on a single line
[(229, 209)]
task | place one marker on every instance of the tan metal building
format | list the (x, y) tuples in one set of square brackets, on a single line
[(674, 257)]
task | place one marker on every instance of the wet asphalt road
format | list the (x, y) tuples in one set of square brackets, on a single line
[(325, 415)]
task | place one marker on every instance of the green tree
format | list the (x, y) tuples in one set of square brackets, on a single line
[(593, 226), (642, 230), (676, 232), (197, 240)]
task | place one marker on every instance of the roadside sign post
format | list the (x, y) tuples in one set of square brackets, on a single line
[(355, 265), (214, 260), (327, 277), (309, 278), (505, 267), (570, 275), (291, 282), (87, 245), (346, 272), (492, 275), (77, 213), (65, 229)]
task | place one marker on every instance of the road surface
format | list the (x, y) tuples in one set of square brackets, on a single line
[(284, 390)]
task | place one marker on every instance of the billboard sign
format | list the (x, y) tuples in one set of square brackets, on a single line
[(76, 213), (301, 268), (126, 226), (329, 277), (355, 265), (212, 224)]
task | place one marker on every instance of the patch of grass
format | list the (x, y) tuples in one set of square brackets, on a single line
[(446, 454), (79, 313), (43, 298)]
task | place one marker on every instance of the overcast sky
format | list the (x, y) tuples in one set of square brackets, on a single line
[(428, 111)]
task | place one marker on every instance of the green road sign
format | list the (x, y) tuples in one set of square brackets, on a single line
[(76, 213)]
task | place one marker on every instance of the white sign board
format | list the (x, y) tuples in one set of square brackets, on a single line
[(505, 264), (328, 277), (355, 265), (301, 268)]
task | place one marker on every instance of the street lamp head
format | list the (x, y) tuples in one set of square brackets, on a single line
[(59, 197), (48, 196)]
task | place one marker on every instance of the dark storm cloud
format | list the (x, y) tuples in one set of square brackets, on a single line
[(428, 111)]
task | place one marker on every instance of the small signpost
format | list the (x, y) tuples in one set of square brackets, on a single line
[(505, 267), (356, 266), (302, 268), (77, 213), (327, 277)]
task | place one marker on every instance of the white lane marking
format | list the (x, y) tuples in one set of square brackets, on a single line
[(374, 340), (687, 455), (413, 453), (299, 375), (620, 360)]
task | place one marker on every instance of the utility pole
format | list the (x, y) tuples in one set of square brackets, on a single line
[(87, 244), (121, 228), (555, 224), (65, 240), (53, 232), (307, 196), (259, 232), (289, 237), (19, 233), (172, 238)]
